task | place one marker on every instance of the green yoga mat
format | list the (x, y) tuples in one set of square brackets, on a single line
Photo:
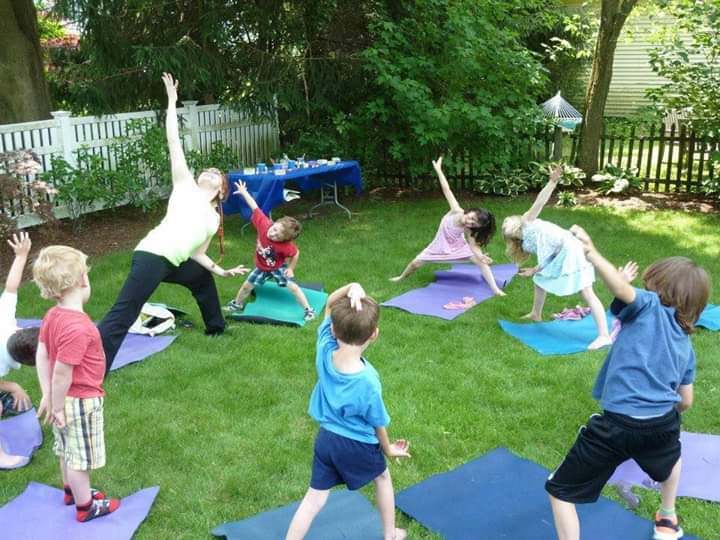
[(276, 305)]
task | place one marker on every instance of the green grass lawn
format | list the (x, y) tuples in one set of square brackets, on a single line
[(221, 424)]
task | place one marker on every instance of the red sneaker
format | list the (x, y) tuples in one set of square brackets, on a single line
[(98, 508)]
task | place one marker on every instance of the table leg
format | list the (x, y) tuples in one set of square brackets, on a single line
[(329, 196)]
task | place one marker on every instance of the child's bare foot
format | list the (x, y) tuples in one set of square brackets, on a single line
[(499, 293), (400, 534), (600, 342), (396, 279), (532, 316)]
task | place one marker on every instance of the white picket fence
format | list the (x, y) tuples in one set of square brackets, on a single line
[(202, 126)]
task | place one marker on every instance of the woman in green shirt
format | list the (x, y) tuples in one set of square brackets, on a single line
[(175, 250)]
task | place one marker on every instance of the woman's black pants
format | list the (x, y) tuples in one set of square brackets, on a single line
[(147, 271)]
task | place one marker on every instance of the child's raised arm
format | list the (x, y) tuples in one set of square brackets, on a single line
[(449, 196), (544, 195), (241, 189), (616, 282), (21, 245), (353, 290)]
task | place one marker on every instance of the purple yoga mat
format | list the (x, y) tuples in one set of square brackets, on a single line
[(38, 513), (21, 435), (450, 286), (134, 347), (700, 476)]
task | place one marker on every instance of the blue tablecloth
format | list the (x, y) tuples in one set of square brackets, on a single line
[(267, 189)]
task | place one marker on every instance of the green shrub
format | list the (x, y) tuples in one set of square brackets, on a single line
[(614, 179)]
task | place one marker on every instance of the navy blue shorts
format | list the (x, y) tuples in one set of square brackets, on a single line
[(340, 460), (607, 441)]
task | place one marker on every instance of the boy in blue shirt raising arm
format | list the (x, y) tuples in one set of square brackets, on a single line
[(644, 384), (347, 403)]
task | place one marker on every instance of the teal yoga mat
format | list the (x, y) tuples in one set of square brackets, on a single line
[(347, 515), (276, 305), (555, 337)]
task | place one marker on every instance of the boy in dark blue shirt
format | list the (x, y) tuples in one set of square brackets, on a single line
[(644, 384), (347, 403)]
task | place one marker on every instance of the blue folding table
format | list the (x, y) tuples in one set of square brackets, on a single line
[(268, 189)]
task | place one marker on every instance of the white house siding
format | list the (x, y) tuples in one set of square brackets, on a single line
[(632, 73)]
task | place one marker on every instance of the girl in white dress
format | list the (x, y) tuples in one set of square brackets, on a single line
[(562, 267)]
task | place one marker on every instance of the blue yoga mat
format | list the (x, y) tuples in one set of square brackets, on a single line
[(502, 496), (710, 318), (555, 337), (347, 515)]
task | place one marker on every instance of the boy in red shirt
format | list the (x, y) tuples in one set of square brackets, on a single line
[(71, 366), (276, 255)]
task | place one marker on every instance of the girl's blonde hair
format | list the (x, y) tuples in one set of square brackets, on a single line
[(58, 269), (682, 284), (512, 233)]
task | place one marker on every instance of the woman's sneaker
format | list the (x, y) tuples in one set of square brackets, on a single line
[(98, 509), (667, 528), (232, 306)]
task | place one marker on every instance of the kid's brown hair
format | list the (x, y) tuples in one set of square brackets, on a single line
[(291, 227), (682, 284), (352, 326), (22, 345)]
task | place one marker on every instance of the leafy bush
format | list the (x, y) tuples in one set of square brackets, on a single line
[(508, 184), (566, 199), (447, 76), (220, 156), (20, 192), (711, 186), (140, 176), (614, 179), (540, 172)]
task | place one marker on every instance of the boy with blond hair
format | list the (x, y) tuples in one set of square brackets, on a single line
[(276, 255), (71, 367), (347, 403)]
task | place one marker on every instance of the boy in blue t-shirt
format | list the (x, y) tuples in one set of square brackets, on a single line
[(643, 386), (347, 403)]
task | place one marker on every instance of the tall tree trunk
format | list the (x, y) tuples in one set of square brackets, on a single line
[(24, 93), (613, 15)]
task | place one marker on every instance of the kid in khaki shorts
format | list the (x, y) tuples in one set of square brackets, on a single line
[(643, 386), (347, 403), (71, 367)]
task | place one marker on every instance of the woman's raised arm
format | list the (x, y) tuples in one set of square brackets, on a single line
[(178, 165)]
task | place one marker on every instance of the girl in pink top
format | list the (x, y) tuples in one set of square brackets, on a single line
[(460, 237)]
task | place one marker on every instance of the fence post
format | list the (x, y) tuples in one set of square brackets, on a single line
[(191, 126), (65, 136)]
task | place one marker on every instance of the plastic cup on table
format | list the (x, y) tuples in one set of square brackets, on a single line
[(261, 168)]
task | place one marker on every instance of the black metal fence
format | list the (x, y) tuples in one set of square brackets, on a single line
[(671, 161)]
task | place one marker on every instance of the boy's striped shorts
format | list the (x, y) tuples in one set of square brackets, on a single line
[(81, 443)]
